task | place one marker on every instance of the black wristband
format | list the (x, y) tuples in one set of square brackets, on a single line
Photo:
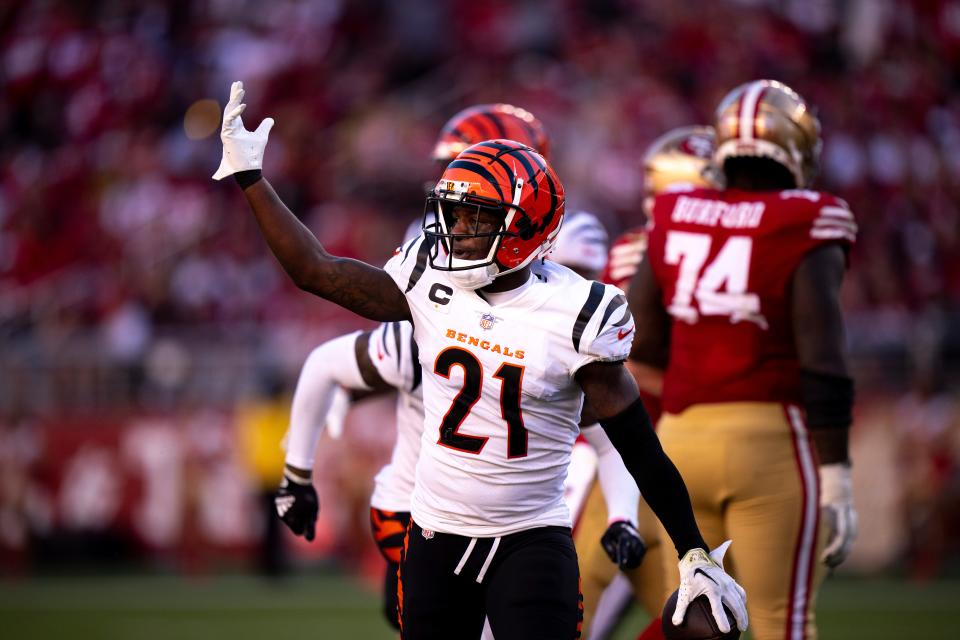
[(828, 400), (659, 481), (248, 178)]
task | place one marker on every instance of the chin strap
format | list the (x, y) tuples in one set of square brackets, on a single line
[(476, 278)]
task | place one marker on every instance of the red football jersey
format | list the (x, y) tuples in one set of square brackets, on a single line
[(626, 252), (724, 260)]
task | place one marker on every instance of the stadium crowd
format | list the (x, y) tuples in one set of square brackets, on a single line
[(128, 281)]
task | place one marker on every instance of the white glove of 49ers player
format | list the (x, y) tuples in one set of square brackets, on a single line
[(242, 149), (836, 508), (702, 574)]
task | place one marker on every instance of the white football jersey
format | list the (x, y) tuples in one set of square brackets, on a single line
[(394, 353), (500, 400)]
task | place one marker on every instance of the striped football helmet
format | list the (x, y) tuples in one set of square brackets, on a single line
[(768, 119), (679, 159), (515, 184), (488, 122)]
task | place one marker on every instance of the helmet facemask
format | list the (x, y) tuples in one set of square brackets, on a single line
[(486, 218), (499, 206)]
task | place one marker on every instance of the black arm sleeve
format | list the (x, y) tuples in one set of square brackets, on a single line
[(659, 481)]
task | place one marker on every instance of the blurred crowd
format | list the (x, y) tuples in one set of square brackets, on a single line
[(130, 281)]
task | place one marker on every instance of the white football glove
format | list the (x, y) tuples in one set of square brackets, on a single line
[(836, 509), (702, 574), (242, 149)]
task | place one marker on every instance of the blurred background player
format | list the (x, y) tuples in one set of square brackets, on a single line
[(737, 303), (677, 160)]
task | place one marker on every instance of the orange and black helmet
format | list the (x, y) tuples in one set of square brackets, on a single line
[(510, 180), (489, 122)]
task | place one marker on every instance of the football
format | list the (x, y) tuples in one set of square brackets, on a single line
[(698, 623)]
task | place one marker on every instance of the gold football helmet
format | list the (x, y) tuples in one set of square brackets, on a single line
[(768, 119), (680, 158)]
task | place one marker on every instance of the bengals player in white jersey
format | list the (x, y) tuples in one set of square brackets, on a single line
[(737, 308), (386, 359), (677, 160), (510, 347)]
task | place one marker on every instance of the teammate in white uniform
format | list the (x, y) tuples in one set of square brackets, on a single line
[(509, 348)]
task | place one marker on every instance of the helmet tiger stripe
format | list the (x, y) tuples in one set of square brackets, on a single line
[(488, 122), (506, 178)]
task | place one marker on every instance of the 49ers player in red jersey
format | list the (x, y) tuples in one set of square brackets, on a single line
[(737, 302)]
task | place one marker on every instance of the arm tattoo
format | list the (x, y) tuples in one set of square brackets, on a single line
[(354, 285)]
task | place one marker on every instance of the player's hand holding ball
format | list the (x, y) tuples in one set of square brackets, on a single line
[(242, 149), (723, 614), (297, 504), (623, 544)]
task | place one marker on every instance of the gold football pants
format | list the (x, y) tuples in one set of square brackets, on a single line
[(751, 471), (596, 569)]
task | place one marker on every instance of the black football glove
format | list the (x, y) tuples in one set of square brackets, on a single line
[(623, 544), (297, 505)]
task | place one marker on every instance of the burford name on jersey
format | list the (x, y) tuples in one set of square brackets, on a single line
[(730, 215), (501, 401)]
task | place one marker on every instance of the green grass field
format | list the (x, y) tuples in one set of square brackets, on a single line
[(330, 606)]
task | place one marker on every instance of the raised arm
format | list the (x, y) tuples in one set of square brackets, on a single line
[(354, 285)]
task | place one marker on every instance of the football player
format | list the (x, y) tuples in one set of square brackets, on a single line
[(677, 160), (737, 306), (510, 346), (386, 359), (382, 360)]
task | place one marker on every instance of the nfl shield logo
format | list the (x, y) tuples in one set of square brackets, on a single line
[(487, 320)]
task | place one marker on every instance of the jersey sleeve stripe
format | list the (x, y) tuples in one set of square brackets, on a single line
[(383, 338), (836, 212), (626, 250), (615, 303), (421, 265), (396, 341), (843, 224), (406, 251), (415, 358), (832, 234), (589, 308)]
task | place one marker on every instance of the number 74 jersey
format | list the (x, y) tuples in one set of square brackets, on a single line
[(501, 403), (724, 261)]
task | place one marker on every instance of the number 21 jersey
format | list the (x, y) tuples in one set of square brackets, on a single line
[(500, 400)]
